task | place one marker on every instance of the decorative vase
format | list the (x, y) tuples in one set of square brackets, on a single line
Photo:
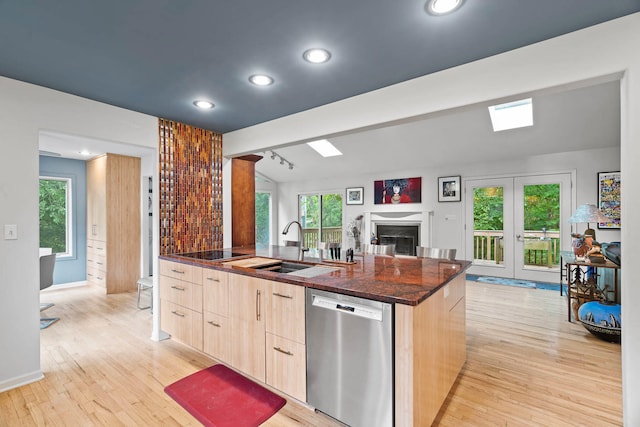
[(602, 319)]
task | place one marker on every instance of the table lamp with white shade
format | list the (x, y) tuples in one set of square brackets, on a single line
[(588, 213)]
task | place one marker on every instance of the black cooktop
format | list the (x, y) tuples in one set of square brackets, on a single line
[(211, 255)]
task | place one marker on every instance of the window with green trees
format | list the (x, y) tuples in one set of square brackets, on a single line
[(55, 214), (321, 218), (263, 219)]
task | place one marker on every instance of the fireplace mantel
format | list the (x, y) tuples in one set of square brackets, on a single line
[(420, 218)]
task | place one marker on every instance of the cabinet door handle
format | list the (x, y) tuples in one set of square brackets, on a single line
[(288, 353), (100, 278), (99, 263), (90, 260), (177, 313), (217, 325), (258, 305), (89, 274), (178, 271), (177, 288), (94, 229), (100, 249), (212, 279), (282, 296)]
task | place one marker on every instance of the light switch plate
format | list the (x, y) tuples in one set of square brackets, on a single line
[(10, 232)]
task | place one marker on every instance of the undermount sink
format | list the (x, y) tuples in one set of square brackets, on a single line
[(285, 267)]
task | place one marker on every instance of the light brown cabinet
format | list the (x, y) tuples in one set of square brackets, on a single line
[(216, 326), (113, 222), (181, 302), (286, 364), (430, 349), (247, 315)]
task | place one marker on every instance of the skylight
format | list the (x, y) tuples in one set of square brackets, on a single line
[(324, 148), (512, 115)]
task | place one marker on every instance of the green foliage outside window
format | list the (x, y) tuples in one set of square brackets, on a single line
[(53, 215), (542, 207), (262, 219), (332, 210), (487, 208)]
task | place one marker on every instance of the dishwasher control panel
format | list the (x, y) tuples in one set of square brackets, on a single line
[(346, 307)]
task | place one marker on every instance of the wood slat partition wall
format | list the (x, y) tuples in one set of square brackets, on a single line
[(190, 188)]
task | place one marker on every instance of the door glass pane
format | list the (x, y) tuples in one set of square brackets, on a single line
[(263, 219), (309, 217), (488, 224), (332, 218), (541, 224)]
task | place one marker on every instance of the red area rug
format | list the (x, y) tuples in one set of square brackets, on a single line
[(220, 397)]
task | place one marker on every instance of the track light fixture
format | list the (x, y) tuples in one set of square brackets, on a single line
[(282, 159)]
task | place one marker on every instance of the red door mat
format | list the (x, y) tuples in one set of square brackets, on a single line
[(220, 397)]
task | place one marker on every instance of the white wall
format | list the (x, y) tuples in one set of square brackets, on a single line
[(450, 233), (593, 53), (24, 111)]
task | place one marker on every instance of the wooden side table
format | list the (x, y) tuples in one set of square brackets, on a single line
[(581, 277)]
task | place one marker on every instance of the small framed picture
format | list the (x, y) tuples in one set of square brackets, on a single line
[(449, 189), (354, 196), (609, 186)]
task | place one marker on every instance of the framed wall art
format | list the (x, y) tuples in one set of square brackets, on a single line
[(395, 191), (449, 189), (355, 196), (609, 198)]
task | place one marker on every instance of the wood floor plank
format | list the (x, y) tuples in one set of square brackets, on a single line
[(526, 366)]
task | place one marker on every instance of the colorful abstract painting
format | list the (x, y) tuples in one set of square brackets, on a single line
[(395, 191), (609, 187)]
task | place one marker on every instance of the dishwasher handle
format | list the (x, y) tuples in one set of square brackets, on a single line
[(347, 308)]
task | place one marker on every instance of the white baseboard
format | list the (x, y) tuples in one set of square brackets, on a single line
[(21, 380)]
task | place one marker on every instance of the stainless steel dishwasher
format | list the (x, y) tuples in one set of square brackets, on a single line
[(350, 358)]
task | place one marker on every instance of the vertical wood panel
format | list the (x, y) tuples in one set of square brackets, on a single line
[(243, 200)]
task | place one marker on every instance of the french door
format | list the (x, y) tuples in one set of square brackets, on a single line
[(515, 226)]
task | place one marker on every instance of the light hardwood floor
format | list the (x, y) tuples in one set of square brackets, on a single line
[(526, 366)]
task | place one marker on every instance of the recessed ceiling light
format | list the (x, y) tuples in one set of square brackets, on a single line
[(84, 153), (261, 80), (205, 105), (316, 55), (325, 148), (442, 7)]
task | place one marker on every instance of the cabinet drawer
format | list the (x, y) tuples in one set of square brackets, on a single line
[(285, 311), (96, 277), (188, 273), (286, 366), (215, 288), (96, 247), (216, 335), (182, 324), (97, 261), (186, 294)]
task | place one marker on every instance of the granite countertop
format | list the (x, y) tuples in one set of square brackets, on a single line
[(401, 280)]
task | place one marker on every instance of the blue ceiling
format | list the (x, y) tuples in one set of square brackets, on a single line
[(158, 56)]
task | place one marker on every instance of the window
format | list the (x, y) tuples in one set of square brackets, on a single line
[(263, 219), (321, 218), (55, 214), (512, 115)]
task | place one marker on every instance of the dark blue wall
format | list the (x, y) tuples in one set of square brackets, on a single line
[(72, 268)]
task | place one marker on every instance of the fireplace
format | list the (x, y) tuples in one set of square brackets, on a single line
[(405, 237)]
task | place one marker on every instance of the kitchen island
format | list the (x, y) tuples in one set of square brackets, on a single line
[(213, 302)]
